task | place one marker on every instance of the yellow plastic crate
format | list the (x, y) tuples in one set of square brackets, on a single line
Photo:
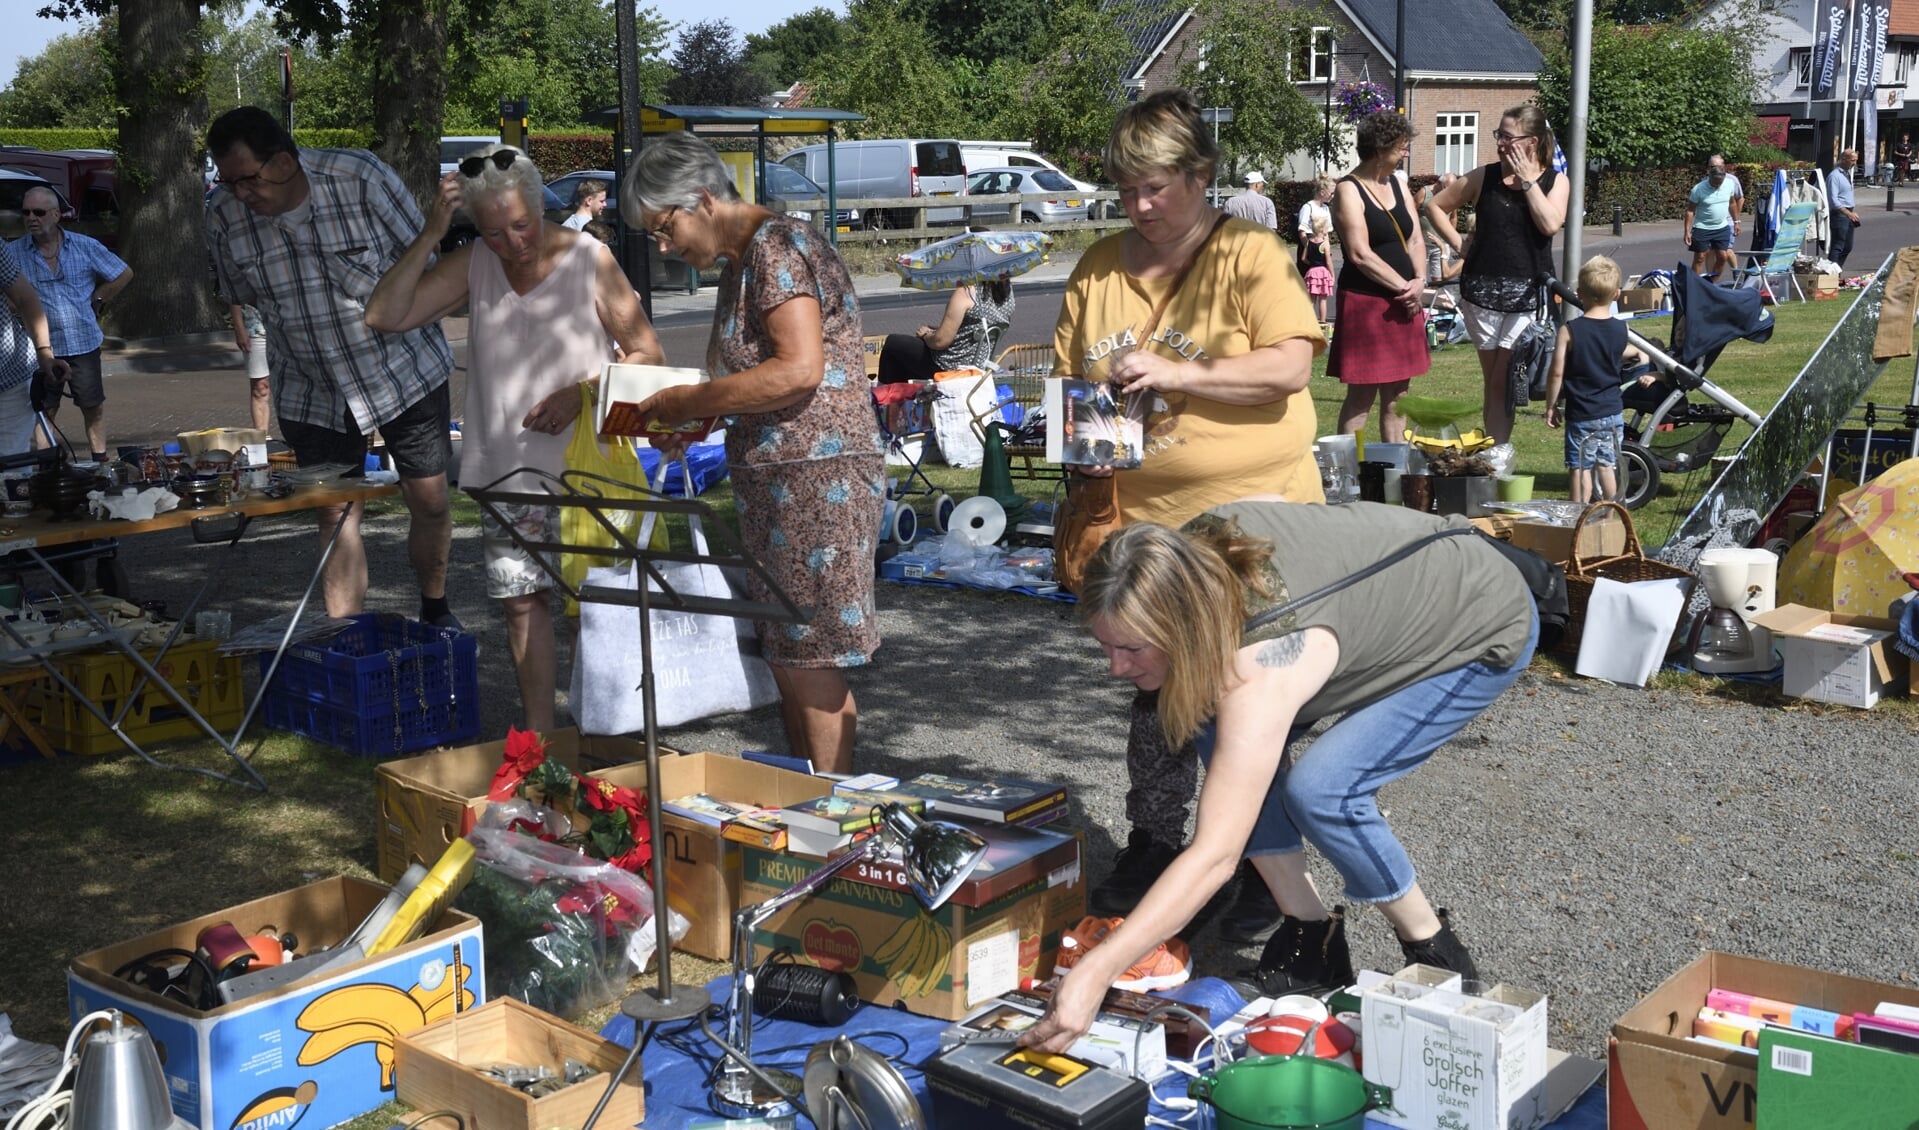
[(211, 682)]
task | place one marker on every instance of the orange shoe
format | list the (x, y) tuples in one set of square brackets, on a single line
[(1168, 966)]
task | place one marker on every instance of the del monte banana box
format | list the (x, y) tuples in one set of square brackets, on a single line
[(311, 1053), (942, 963)]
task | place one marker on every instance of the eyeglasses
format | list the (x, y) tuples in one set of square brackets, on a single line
[(662, 232), (36, 211), (1715, 170), (1502, 135), (257, 175), (475, 165)]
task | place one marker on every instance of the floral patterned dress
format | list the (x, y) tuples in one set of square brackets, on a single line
[(810, 478)]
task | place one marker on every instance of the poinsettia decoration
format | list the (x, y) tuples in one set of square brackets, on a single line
[(615, 816)]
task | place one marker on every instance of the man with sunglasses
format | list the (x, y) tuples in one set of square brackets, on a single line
[(1712, 220), (303, 236), (74, 275)]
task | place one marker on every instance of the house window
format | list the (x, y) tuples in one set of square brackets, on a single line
[(1455, 143), (1902, 66), (1799, 65), (1312, 59)]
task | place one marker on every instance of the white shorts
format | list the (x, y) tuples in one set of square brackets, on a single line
[(510, 570), (1493, 329), (257, 355)]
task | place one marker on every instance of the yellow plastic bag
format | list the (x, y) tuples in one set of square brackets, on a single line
[(619, 462)]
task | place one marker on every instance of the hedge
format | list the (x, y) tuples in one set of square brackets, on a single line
[(110, 138), (560, 153)]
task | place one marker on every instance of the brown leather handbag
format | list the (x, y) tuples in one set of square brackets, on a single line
[(1089, 513)]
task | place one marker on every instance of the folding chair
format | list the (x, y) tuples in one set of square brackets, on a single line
[(1784, 255), (1022, 372)]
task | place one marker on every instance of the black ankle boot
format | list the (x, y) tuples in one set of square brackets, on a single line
[(1443, 950), (1254, 916), (1135, 870), (1311, 958)]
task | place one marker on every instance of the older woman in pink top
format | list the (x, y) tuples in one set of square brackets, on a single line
[(548, 307)]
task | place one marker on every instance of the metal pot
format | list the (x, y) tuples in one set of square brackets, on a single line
[(1288, 1092)]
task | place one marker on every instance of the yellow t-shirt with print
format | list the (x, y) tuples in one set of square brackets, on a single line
[(1243, 294)]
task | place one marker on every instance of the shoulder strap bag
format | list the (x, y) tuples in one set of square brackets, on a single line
[(1089, 513)]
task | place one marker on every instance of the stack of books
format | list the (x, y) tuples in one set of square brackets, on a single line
[(823, 825), (997, 800)]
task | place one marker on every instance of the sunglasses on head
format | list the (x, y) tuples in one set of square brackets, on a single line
[(475, 165)]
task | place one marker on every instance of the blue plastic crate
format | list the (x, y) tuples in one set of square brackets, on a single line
[(385, 686), (381, 662), (410, 730)]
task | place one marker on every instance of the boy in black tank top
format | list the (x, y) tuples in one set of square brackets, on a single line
[(1586, 364)]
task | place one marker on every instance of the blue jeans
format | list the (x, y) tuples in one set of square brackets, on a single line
[(1326, 796), (1594, 443)]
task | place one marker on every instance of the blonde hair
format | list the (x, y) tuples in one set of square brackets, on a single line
[(1322, 225), (1324, 182), (1598, 281), (1183, 594), (1161, 131)]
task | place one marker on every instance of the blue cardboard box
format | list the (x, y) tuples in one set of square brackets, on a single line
[(314, 1052)]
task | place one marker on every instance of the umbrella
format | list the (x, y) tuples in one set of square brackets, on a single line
[(973, 258), (1855, 558)]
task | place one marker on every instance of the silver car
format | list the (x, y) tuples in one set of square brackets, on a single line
[(1064, 203)]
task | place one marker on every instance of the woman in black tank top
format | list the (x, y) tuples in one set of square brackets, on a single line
[(1519, 205), (1379, 339)]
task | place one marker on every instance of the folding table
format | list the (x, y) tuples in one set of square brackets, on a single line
[(40, 539)]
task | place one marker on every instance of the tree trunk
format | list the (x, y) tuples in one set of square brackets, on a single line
[(409, 90), (161, 187)]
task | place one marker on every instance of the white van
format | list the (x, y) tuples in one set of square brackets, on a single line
[(1022, 155), (890, 168)]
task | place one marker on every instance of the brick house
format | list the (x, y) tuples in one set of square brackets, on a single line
[(1466, 64)]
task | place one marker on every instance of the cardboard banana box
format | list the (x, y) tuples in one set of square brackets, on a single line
[(314, 1052)]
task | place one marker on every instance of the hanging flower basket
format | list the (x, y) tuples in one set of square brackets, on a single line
[(1358, 99)]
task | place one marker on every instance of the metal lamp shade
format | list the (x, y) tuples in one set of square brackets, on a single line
[(119, 1085), (939, 855)]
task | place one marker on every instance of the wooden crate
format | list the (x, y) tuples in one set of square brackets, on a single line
[(436, 1068)]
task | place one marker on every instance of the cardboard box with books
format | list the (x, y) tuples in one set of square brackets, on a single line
[(427, 802), (702, 865), (319, 1050), (1662, 1076)]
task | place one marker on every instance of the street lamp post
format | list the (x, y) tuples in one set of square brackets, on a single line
[(1216, 115)]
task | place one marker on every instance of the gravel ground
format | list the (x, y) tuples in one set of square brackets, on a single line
[(1589, 839)]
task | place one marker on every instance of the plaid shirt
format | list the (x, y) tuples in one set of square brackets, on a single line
[(17, 360), (67, 290), (310, 279)]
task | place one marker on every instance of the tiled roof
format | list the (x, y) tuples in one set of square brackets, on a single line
[(1455, 36), (1147, 23)]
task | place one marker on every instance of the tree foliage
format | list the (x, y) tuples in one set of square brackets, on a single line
[(67, 84), (709, 69), (1661, 96), (984, 32), (886, 68), (1066, 100), (783, 53), (1230, 63)]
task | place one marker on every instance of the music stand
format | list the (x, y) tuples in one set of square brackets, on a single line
[(648, 1007)]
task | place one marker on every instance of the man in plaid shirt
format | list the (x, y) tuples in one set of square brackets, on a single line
[(303, 237)]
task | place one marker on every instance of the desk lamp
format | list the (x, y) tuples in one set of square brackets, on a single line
[(938, 857)]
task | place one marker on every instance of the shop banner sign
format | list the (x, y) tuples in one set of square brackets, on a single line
[(1828, 43)]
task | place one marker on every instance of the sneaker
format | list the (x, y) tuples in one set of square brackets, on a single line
[(1168, 966), (1254, 915), (1443, 950), (449, 621), (1309, 958), (1137, 868)]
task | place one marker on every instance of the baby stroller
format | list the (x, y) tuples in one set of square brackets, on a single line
[(1668, 432), (904, 410)]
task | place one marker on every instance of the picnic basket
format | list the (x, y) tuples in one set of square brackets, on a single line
[(1581, 572)]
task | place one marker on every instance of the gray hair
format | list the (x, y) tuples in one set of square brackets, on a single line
[(669, 172), (522, 176)]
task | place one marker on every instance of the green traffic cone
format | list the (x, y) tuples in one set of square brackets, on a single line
[(996, 473)]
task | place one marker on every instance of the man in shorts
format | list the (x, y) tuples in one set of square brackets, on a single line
[(74, 275), (303, 237), (1712, 220)]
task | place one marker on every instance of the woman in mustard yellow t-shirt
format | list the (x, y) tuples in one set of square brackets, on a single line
[(1228, 364)]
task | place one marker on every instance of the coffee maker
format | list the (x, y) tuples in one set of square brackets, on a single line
[(1741, 583)]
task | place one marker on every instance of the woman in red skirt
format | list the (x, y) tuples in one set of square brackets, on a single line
[(1379, 344)]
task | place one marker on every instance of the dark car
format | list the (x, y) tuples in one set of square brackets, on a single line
[(562, 188), (783, 184)]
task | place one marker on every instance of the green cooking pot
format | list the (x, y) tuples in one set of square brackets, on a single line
[(1288, 1092)]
